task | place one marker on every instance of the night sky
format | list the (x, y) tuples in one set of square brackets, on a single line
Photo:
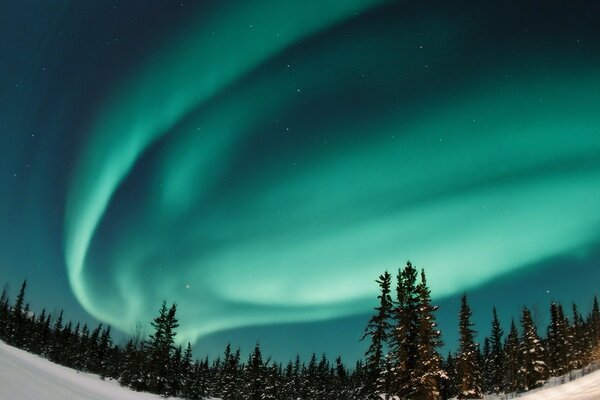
[(261, 163)]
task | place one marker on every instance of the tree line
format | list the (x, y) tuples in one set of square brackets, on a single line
[(402, 360)]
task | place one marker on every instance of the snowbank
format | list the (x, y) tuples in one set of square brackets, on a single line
[(25, 376)]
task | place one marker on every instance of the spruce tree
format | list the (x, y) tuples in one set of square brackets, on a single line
[(230, 379), (378, 331), (103, 353), (557, 342), (341, 381), (255, 383), (82, 349), (39, 338), (449, 385), (404, 337), (309, 379), (486, 371), (579, 340), (467, 361), (160, 350), (186, 372), (428, 370), (17, 333), (175, 376), (512, 360), (56, 341), (594, 329), (4, 313), (534, 371), (496, 355), (287, 389)]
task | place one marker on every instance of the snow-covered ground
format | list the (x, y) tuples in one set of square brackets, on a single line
[(585, 387), (25, 376)]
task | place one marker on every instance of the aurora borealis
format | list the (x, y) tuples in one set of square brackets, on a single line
[(260, 163)]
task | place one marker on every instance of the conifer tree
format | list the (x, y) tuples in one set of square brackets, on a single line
[(449, 385), (496, 355), (287, 389), (428, 370), (533, 370), (160, 350), (175, 376), (186, 372), (199, 380), (512, 360), (254, 375), (38, 338), (17, 333), (309, 379), (56, 345), (103, 353), (229, 375), (557, 342), (486, 367), (580, 342), (297, 377), (594, 328), (4, 313), (340, 383), (404, 338), (378, 331), (127, 371), (467, 361), (271, 382)]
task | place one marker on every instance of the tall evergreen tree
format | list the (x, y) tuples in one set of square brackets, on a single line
[(404, 338), (558, 354), (428, 370), (17, 333), (496, 355), (231, 375), (534, 371), (580, 342), (512, 357), (594, 328), (186, 373), (56, 348), (378, 331), (467, 361), (254, 375), (160, 350), (486, 368), (4, 313), (103, 353)]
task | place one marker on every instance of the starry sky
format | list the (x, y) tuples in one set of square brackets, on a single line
[(261, 163)]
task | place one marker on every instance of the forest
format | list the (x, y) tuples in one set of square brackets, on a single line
[(402, 361)]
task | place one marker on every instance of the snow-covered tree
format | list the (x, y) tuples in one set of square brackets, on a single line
[(495, 360), (468, 369), (255, 383), (557, 340), (404, 337), (534, 370), (428, 370), (160, 348), (512, 360), (378, 331)]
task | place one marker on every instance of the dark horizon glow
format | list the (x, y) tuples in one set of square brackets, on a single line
[(260, 164)]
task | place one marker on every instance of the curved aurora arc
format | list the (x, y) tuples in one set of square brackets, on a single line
[(237, 241)]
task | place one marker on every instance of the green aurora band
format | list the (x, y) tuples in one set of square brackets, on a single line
[(244, 216)]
